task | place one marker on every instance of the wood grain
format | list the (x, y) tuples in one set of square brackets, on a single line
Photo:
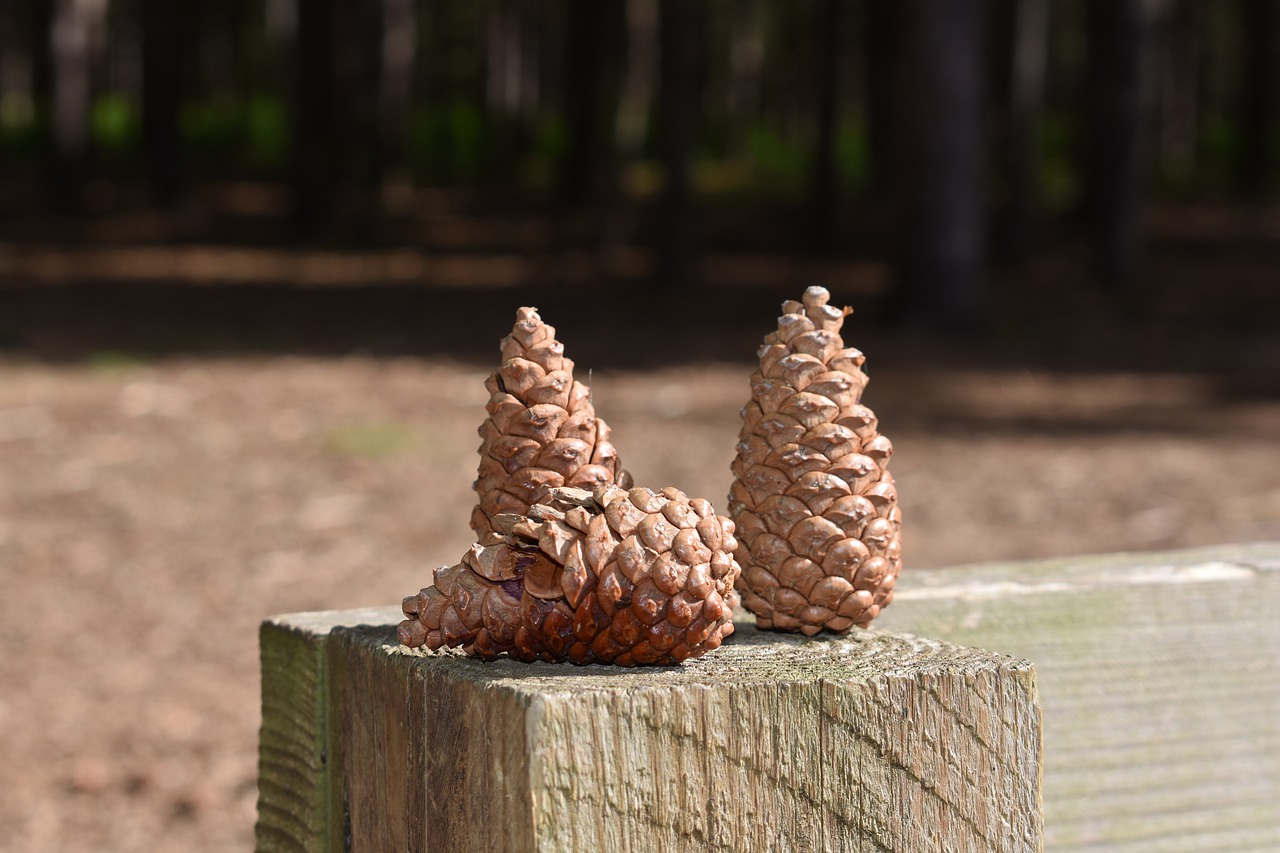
[(1158, 680), (292, 776), (871, 742)]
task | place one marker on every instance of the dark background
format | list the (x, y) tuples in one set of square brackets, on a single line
[(953, 166)]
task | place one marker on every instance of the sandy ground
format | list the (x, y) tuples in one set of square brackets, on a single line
[(153, 512)]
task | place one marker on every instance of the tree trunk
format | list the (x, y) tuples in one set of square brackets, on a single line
[(69, 33), (1121, 37), (584, 74), (881, 48), (1258, 99), (746, 66), (1028, 60), (505, 61), (1179, 107), (826, 178), (313, 99), (398, 48), (937, 168), (162, 98), (630, 125), (680, 37)]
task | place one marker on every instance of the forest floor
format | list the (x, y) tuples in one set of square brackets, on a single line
[(314, 449)]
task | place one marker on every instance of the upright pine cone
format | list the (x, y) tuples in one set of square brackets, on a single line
[(605, 577), (542, 431), (815, 506)]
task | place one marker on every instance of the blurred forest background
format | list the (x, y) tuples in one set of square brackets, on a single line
[(646, 141), (256, 257)]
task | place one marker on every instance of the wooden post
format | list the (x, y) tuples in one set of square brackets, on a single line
[(1157, 679), (774, 742)]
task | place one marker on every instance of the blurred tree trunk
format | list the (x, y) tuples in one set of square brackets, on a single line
[(511, 83), (1025, 37), (586, 73), (746, 66), (398, 48), (680, 36), (1258, 100), (70, 27), (361, 54), (40, 35), (1121, 36), (631, 125), (162, 98), (881, 47), (313, 103), (936, 169), (280, 33), (1180, 91), (825, 189)]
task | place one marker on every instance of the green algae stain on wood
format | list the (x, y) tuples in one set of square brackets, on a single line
[(293, 785)]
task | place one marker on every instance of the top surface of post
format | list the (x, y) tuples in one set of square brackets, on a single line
[(749, 656)]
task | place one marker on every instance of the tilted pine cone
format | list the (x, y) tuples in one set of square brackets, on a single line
[(542, 431), (606, 577), (815, 506)]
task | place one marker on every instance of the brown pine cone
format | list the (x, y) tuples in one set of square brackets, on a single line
[(815, 506), (542, 431), (607, 577)]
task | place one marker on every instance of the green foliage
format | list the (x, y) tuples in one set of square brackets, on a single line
[(853, 154), (225, 134), (20, 124), (448, 144), (462, 145), (213, 132), (267, 134), (1220, 150), (1057, 168), (777, 164), (115, 124)]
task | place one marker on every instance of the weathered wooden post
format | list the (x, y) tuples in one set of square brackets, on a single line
[(773, 742), (1157, 676)]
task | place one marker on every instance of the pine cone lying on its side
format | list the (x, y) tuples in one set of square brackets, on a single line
[(542, 430), (815, 506), (606, 577)]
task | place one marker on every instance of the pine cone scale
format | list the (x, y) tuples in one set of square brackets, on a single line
[(647, 604)]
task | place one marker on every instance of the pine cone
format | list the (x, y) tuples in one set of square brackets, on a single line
[(815, 506), (542, 431), (606, 577)]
